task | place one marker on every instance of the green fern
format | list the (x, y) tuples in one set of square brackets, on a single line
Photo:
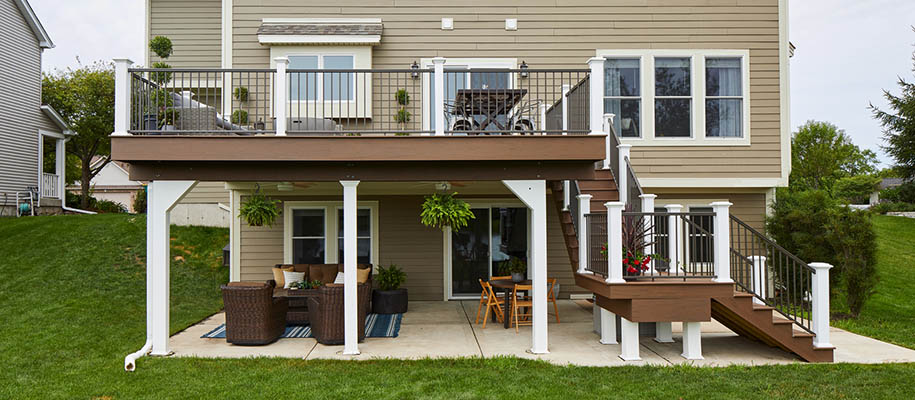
[(441, 210)]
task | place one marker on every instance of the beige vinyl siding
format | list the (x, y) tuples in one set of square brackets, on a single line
[(195, 28), (402, 240), (208, 192), (21, 117), (564, 34)]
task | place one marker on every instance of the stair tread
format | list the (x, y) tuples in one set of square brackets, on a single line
[(757, 307), (799, 334), (779, 321)]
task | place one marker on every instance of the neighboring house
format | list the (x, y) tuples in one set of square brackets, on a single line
[(112, 183), (507, 104), (32, 135), (886, 183)]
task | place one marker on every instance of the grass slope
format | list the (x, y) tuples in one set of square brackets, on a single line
[(890, 314), (72, 306)]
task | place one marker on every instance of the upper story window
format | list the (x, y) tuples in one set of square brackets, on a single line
[(678, 97), (329, 85)]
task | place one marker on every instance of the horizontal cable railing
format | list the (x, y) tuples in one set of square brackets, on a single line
[(597, 243), (773, 275), (193, 101)]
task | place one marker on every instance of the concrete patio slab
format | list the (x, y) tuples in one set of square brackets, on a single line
[(188, 343)]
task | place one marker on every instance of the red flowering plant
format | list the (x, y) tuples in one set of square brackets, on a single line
[(636, 240)]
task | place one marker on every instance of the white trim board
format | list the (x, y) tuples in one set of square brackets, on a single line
[(784, 81), (320, 40), (649, 183), (697, 58)]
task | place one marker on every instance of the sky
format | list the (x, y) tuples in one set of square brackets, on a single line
[(848, 52)]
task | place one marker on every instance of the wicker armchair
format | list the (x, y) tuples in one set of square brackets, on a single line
[(326, 313), (253, 315)]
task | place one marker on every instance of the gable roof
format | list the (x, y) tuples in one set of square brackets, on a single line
[(30, 18)]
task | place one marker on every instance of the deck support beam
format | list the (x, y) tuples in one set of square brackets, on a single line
[(692, 340), (350, 300), (533, 194)]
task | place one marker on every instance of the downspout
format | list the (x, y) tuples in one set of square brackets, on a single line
[(130, 362)]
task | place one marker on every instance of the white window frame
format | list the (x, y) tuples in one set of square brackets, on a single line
[(460, 63), (640, 97), (331, 210), (320, 80), (697, 84)]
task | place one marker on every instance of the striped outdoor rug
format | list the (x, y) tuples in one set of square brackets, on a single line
[(376, 325)]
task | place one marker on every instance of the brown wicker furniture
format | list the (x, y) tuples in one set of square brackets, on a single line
[(326, 273), (326, 313), (253, 315), (297, 313)]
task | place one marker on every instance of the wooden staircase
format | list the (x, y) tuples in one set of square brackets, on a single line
[(680, 301)]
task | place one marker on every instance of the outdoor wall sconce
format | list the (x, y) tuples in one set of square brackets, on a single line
[(414, 70), (524, 67)]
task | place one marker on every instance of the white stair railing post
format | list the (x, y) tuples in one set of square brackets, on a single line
[(566, 88), (622, 181), (722, 241), (596, 103), (648, 207), (820, 313), (760, 279), (584, 208), (281, 97), (438, 106), (121, 96), (608, 140), (673, 237), (614, 242)]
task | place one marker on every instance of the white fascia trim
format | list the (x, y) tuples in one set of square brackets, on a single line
[(784, 79), (57, 119), (355, 40), (32, 20), (329, 21), (227, 39), (52, 134), (712, 182), (697, 57)]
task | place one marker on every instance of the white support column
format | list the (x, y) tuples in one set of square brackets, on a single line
[(597, 95), (607, 327), (614, 242), (533, 194), (663, 332), (608, 140), (161, 198), (566, 194), (281, 97), (622, 181), (584, 208), (350, 245), (438, 103), (820, 313), (692, 340), (722, 233), (629, 342), (566, 88), (673, 237), (121, 96), (760, 278), (60, 168)]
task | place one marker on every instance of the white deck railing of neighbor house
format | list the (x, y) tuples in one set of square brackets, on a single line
[(50, 185)]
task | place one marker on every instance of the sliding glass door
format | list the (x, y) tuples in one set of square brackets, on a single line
[(494, 237)]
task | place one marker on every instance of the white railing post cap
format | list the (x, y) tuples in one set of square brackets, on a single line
[(282, 59), (614, 204), (122, 60), (584, 196), (438, 60), (819, 266), (596, 59), (721, 204), (648, 196)]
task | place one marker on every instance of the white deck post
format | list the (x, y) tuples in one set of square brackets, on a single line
[(648, 207), (281, 97), (760, 279), (584, 208), (566, 88), (161, 198), (608, 140), (722, 241), (607, 326), (663, 332), (614, 242), (692, 340), (596, 80), (622, 181), (438, 105), (566, 194), (121, 97), (673, 237), (629, 342), (350, 299), (820, 314), (533, 194)]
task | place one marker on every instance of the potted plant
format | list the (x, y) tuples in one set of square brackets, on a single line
[(258, 210), (241, 94), (441, 210), (303, 285), (403, 99), (240, 117), (389, 298), (635, 242), (516, 267)]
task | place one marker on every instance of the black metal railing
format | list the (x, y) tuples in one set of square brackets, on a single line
[(633, 188), (579, 100), (649, 234), (597, 244), (773, 275), (192, 101), (574, 207)]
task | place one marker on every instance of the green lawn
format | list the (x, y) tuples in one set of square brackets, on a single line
[(890, 314), (72, 305)]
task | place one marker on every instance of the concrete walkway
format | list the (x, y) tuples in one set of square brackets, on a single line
[(447, 329)]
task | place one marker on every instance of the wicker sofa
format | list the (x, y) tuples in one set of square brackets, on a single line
[(253, 315), (326, 273), (326, 313)]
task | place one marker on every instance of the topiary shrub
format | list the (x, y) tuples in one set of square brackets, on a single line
[(240, 117), (162, 46)]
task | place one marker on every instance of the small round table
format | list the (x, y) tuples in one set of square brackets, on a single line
[(507, 286)]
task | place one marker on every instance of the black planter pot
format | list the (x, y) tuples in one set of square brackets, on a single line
[(389, 301)]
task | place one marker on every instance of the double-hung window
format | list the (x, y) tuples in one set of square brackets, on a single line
[(673, 104), (622, 95), (723, 97), (331, 85), (313, 232), (363, 235), (308, 240)]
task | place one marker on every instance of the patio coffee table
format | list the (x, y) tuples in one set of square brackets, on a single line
[(298, 303), (507, 287)]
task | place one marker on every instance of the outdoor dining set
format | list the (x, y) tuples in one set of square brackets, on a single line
[(512, 306)]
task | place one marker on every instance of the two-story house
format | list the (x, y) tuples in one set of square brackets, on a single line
[(32, 135), (558, 121)]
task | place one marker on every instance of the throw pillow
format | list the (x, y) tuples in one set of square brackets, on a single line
[(278, 275), (339, 279), (362, 274), (290, 277)]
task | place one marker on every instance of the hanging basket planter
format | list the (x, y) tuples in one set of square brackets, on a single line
[(259, 210), (441, 210)]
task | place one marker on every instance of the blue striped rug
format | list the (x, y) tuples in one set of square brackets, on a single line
[(376, 326)]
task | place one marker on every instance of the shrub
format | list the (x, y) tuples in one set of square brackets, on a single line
[(855, 243), (139, 201), (904, 193), (798, 221), (73, 200), (161, 77), (885, 207), (109, 207), (162, 46), (855, 189)]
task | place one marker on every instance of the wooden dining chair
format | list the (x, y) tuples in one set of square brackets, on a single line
[(489, 299), (551, 296), (518, 304), (501, 278)]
